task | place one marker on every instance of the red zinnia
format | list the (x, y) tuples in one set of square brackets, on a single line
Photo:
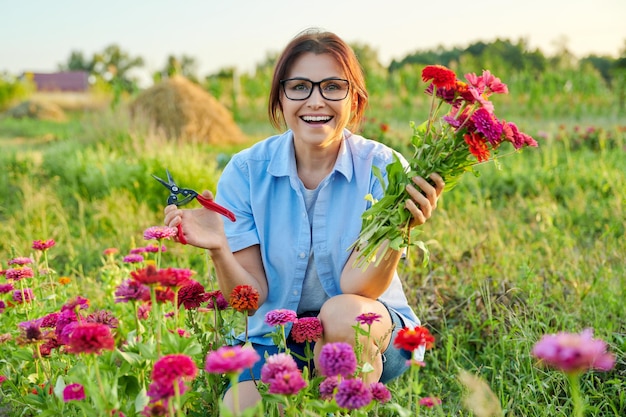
[(91, 338), (147, 276), (192, 295), (307, 329), (441, 76), (412, 338), (244, 298), (477, 146)]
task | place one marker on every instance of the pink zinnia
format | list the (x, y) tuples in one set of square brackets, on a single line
[(17, 274), (307, 329), (287, 383), (353, 394), (73, 392), (573, 353), (380, 392), (154, 248), (2, 379), (43, 244), (280, 317), (337, 359), (159, 232), (368, 318), (22, 260), (230, 360), (91, 338), (429, 402), (25, 297), (275, 364)]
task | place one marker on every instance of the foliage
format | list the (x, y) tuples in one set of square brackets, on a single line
[(531, 247)]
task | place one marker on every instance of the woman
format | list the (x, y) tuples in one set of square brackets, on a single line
[(298, 199)]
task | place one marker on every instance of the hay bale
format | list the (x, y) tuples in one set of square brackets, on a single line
[(39, 110), (184, 110)]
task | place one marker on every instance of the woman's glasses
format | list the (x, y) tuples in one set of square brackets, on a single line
[(333, 89)]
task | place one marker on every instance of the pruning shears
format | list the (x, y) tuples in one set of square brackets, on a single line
[(181, 196)]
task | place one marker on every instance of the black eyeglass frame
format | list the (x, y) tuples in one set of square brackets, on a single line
[(319, 87)]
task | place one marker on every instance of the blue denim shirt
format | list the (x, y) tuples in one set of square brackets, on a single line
[(260, 185)]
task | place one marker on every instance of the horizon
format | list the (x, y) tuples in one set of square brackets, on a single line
[(242, 33)]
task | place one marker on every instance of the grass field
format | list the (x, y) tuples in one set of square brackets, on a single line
[(532, 246)]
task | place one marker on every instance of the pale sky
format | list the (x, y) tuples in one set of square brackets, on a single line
[(38, 35)]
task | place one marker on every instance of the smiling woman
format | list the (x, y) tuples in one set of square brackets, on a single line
[(295, 254)]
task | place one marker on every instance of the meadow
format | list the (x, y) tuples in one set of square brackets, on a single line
[(533, 245)]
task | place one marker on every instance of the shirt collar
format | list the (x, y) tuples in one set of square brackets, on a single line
[(284, 161)]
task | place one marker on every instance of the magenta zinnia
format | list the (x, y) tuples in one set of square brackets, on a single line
[(353, 394), (368, 318), (573, 353), (169, 372), (337, 359), (91, 338), (73, 392), (22, 260)]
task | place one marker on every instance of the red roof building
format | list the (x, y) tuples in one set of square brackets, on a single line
[(60, 81)]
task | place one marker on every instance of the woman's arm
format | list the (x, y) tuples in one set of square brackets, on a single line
[(205, 229)]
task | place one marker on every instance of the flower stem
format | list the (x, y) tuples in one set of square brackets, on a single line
[(157, 319), (574, 383)]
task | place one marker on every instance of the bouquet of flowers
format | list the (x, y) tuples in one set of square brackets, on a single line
[(461, 131)]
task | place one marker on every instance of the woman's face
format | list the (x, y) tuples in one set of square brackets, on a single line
[(316, 121)]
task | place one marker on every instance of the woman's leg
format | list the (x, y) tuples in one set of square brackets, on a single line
[(338, 316), (248, 396)]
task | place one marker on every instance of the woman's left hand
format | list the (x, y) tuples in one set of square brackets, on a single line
[(424, 198)]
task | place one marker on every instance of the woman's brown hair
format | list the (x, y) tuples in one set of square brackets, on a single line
[(319, 42)]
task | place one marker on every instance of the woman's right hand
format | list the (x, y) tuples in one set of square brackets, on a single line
[(201, 227)]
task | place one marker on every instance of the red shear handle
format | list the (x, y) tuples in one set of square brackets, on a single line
[(212, 205), (181, 236)]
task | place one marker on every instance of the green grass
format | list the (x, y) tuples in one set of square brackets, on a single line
[(533, 246)]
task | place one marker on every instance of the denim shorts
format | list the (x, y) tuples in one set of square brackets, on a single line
[(394, 359)]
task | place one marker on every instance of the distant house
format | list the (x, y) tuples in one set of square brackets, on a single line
[(67, 81)]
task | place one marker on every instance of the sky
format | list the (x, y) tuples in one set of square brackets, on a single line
[(39, 35)]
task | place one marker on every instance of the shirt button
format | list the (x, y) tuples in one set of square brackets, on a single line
[(302, 255), (295, 292)]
